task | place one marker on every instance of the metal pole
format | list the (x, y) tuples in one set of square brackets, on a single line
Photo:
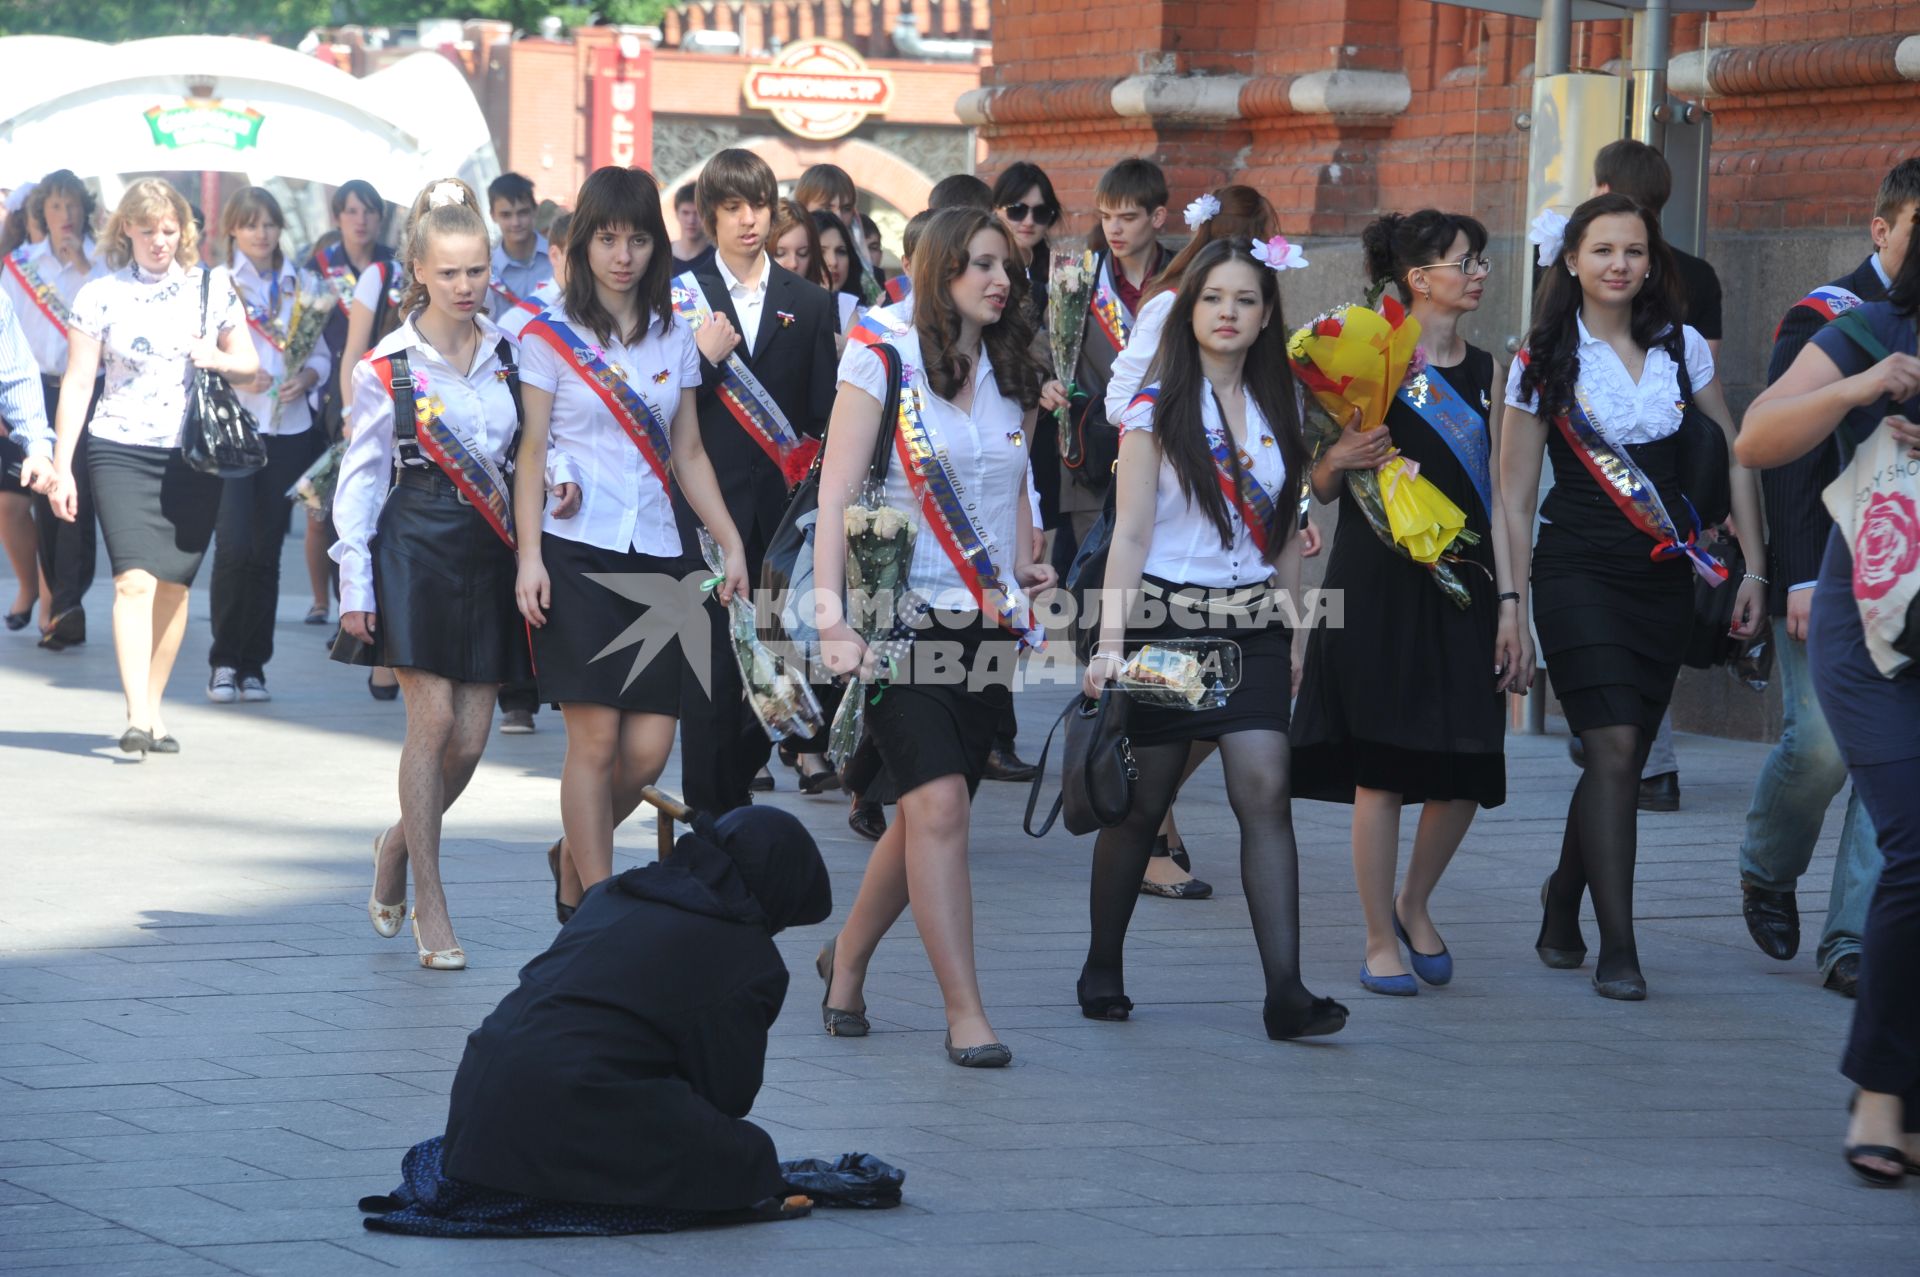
[(1553, 38), (1652, 45)]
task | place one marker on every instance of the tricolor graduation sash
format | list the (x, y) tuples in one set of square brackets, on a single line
[(1110, 315), (743, 395), (45, 297), (898, 289), (1627, 486), (1829, 301), (265, 320), (336, 265), (630, 409), (499, 288), (1247, 495), (475, 475), (1459, 426)]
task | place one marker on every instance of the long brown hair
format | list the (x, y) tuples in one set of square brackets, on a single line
[(939, 258), (629, 198), (1244, 213), (788, 217)]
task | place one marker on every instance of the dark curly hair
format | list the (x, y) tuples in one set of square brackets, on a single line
[(940, 257), (1401, 242), (1553, 344)]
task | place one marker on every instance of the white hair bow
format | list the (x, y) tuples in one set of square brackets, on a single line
[(445, 193), (1278, 254), (1202, 211), (1549, 231)]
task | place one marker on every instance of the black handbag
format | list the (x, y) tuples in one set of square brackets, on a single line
[(1089, 443), (1086, 576), (1703, 458), (787, 569), (1097, 774), (220, 437)]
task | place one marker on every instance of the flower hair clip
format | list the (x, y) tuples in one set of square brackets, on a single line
[(445, 193), (1549, 232), (1202, 211), (1278, 255)]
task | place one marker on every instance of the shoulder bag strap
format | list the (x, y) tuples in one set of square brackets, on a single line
[(504, 352), (889, 412), (206, 286), (400, 389), (1040, 778)]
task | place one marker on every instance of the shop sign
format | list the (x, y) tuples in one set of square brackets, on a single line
[(818, 89), (204, 122)]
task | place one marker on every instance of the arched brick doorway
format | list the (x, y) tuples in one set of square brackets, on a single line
[(879, 173)]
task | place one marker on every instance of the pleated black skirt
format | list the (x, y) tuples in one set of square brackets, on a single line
[(156, 512), (443, 586), (574, 660)]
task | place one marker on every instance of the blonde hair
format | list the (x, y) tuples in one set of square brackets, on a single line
[(145, 203), (457, 212), (245, 207)]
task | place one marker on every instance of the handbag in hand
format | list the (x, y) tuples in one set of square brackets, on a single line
[(1097, 774), (1704, 463), (220, 437)]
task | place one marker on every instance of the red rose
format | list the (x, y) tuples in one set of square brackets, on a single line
[(1887, 545)]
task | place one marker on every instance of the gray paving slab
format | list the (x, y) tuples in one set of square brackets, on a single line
[(206, 1056)]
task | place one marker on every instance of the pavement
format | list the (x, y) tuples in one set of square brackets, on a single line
[(207, 1056)]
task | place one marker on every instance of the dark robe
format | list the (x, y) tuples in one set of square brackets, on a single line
[(622, 1069)]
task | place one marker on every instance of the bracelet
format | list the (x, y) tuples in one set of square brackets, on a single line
[(1755, 576), (1115, 657), (1509, 597)]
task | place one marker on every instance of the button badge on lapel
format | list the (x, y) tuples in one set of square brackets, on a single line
[(785, 317)]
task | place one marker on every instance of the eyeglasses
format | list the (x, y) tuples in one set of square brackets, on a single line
[(1468, 265), (1042, 215)]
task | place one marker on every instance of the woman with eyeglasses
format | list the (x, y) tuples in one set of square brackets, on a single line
[(1404, 704), (1024, 201)]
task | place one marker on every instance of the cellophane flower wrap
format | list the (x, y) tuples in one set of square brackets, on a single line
[(1356, 357), (1069, 295), (778, 693), (311, 311), (314, 488), (880, 541)]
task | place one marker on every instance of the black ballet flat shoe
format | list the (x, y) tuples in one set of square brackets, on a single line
[(838, 1022), (18, 620), (1102, 1006), (390, 692), (166, 745), (988, 1055), (136, 740), (561, 910), (1318, 1019), (1558, 959), (868, 819), (817, 782), (1627, 989)]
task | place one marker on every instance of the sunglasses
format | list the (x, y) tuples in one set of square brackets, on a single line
[(1467, 265), (1041, 214)]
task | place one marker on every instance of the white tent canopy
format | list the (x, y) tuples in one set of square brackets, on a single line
[(110, 110)]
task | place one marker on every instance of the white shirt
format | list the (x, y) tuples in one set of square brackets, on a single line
[(478, 400), (1186, 547), (1626, 412), (622, 504), (1143, 343), (517, 276), (49, 344), (748, 299), (514, 322), (850, 311), (366, 289), (984, 450), (145, 327), (298, 290)]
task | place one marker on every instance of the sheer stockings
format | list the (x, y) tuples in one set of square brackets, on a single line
[(1598, 850)]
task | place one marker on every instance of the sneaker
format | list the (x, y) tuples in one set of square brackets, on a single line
[(223, 687), (254, 688), (516, 722)]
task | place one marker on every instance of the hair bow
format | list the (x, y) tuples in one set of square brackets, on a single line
[(1549, 231), (1277, 254), (1202, 211), (445, 193)]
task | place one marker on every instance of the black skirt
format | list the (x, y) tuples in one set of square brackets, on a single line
[(571, 660), (939, 718), (1261, 700), (443, 589), (156, 512)]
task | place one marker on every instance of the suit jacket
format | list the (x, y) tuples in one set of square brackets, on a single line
[(1797, 519), (796, 362)]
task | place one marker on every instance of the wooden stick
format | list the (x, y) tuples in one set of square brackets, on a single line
[(670, 809)]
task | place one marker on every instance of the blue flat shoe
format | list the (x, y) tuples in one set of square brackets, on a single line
[(1394, 986), (1435, 968)]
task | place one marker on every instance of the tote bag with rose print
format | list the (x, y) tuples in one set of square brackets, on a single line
[(1875, 504)]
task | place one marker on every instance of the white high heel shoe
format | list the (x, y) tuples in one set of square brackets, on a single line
[(454, 959), (386, 919)]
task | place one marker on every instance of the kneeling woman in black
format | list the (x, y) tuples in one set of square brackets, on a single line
[(1600, 387), (426, 568), (1205, 494), (610, 379)]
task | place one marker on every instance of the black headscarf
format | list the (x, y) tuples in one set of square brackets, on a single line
[(754, 864)]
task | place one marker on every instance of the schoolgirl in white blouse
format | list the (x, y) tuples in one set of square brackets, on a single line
[(971, 390), (610, 382), (1206, 495), (1599, 388), (253, 509), (426, 563)]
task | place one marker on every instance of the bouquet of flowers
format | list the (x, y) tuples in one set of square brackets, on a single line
[(1353, 357), (1069, 295), (1183, 673), (314, 488), (304, 330), (880, 541), (780, 698)]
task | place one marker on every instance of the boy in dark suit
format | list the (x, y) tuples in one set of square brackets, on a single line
[(767, 363)]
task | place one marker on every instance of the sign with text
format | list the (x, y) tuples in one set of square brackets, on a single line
[(204, 122), (620, 111), (818, 89)]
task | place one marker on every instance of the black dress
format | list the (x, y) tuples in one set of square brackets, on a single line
[(1402, 699)]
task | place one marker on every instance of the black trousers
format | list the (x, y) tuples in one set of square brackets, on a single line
[(523, 695), (67, 550), (1883, 1051), (722, 745), (254, 516)]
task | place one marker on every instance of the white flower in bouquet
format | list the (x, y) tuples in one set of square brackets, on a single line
[(857, 518), (888, 523)]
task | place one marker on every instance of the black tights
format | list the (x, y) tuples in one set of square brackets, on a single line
[(1259, 791), (1598, 851)]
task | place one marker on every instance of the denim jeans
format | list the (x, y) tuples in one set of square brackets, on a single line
[(1660, 756), (1797, 782)]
